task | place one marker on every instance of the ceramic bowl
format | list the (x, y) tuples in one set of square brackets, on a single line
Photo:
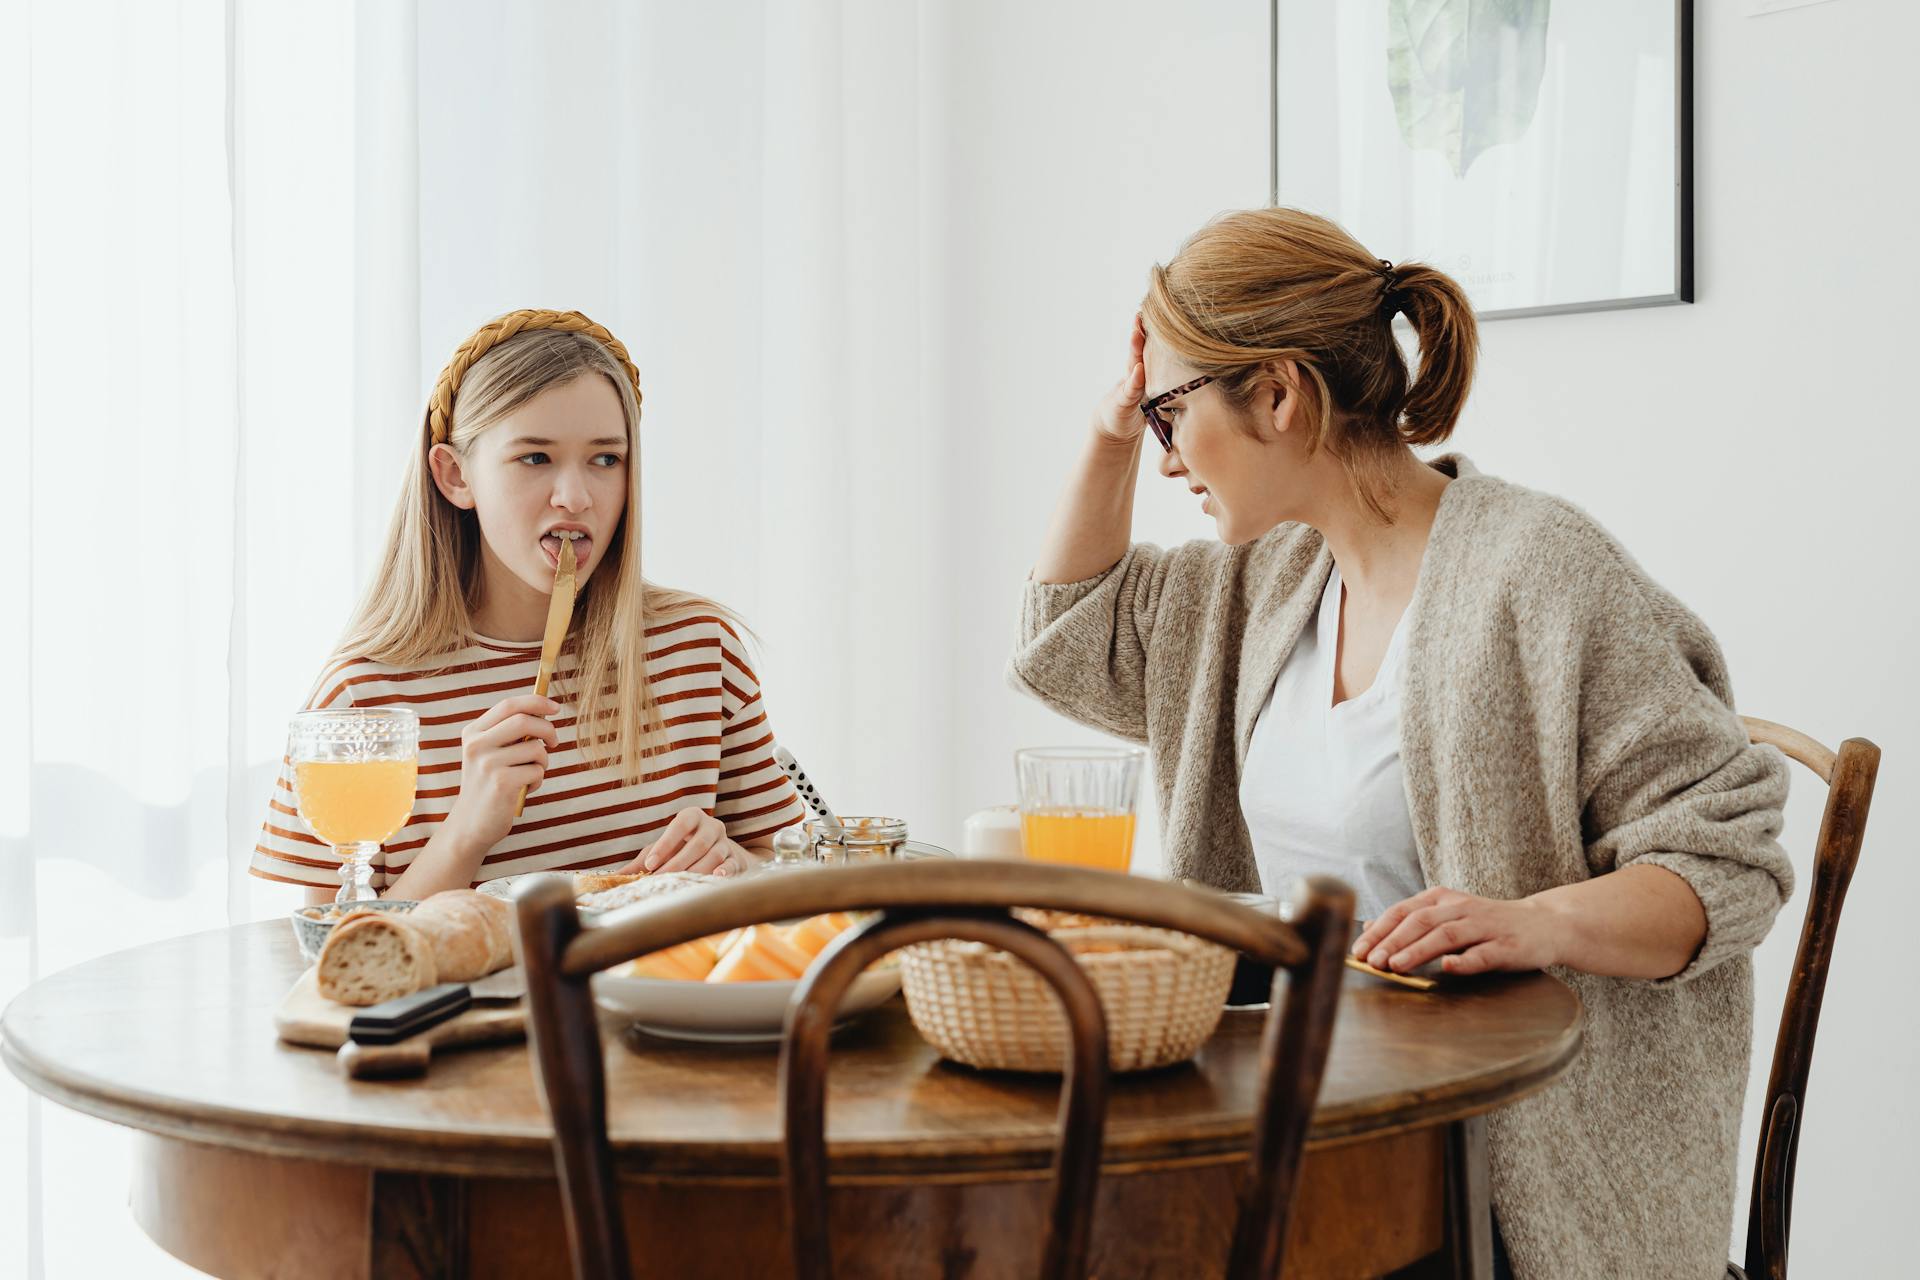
[(311, 925)]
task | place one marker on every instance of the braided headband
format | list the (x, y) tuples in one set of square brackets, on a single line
[(492, 334)]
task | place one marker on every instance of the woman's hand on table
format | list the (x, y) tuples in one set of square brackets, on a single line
[(1466, 934), (694, 841), (1637, 921)]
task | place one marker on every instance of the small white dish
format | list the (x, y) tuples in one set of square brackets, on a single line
[(725, 1012)]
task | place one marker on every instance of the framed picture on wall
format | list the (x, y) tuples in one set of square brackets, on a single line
[(1540, 151)]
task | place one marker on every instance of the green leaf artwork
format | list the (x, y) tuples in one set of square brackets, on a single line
[(1465, 74)]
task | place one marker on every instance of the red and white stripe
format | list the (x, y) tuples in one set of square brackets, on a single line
[(719, 758)]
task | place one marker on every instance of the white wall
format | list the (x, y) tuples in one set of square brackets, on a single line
[(1099, 140)]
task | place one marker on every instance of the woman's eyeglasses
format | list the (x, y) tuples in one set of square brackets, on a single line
[(1162, 429)]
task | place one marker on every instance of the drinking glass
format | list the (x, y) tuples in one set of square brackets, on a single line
[(353, 778), (1077, 804)]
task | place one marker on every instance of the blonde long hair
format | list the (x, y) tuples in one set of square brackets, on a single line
[(420, 604), (1264, 285)]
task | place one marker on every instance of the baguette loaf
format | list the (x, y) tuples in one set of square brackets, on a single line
[(455, 936)]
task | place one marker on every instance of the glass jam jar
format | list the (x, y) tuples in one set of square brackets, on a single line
[(858, 840)]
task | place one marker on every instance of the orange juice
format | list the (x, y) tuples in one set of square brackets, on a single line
[(1098, 838), (355, 801)]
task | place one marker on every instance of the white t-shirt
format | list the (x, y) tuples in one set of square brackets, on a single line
[(1323, 790)]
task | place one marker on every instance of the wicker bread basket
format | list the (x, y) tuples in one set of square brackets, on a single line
[(1162, 992)]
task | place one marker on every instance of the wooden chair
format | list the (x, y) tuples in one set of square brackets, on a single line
[(1849, 775), (920, 902)]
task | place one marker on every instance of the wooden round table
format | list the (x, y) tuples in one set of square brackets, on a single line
[(259, 1158)]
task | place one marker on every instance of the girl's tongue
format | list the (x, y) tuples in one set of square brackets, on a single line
[(582, 547)]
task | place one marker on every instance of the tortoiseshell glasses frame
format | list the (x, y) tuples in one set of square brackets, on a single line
[(1162, 429)]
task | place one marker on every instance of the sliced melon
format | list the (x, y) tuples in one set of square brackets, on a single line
[(760, 954), (688, 962), (814, 933)]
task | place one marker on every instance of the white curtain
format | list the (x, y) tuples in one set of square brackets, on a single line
[(118, 338), (872, 259), (190, 440), (736, 192)]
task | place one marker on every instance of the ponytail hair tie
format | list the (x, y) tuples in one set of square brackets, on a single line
[(1390, 296), (492, 334)]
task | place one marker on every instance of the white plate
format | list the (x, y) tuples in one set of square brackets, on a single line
[(653, 886), (720, 1037), (504, 886), (728, 1012)]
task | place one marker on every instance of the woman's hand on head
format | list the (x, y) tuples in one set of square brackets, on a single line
[(694, 841), (1117, 418), (1466, 934), (502, 752)]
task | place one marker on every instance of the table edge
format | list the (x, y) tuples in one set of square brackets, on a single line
[(505, 1155)]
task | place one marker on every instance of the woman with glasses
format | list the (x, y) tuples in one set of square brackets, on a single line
[(1458, 695)]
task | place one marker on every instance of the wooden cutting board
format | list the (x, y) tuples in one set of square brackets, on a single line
[(305, 1017)]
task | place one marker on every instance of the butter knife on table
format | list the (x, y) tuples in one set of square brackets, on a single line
[(408, 1015), (1413, 980), (396, 1040)]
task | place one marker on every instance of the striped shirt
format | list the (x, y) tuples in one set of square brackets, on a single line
[(719, 758)]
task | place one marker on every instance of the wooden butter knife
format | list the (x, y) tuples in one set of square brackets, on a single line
[(559, 619), (1413, 980)]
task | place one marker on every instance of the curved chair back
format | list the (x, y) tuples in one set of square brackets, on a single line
[(920, 902), (1849, 774)]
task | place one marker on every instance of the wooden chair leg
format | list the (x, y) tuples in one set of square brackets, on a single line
[(565, 1031), (1293, 1055), (1469, 1201), (1083, 1087)]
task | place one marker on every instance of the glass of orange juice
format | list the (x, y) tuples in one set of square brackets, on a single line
[(353, 776), (1076, 804)]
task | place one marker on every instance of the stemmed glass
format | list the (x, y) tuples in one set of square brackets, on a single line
[(353, 779)]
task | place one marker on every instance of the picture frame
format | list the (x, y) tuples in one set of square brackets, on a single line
[(1540, 151)]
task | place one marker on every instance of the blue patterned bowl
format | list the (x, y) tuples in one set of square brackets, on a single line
[(311, 925)]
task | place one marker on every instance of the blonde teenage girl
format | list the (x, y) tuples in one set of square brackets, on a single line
[(654, 752)]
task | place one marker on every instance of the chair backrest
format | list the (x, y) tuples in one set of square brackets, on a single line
[(920, 902), (1849, 774)]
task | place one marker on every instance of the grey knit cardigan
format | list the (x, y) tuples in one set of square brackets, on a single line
[(1563, 716)]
